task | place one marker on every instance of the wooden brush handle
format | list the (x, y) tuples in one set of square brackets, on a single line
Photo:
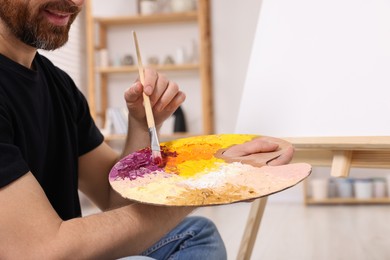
[(147, 104)]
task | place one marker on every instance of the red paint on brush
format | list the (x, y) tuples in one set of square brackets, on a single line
[(158, 161)]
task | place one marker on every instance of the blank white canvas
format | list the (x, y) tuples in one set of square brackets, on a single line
[(319, 68)]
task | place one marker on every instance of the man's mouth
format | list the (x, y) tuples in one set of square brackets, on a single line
[(58, 18)]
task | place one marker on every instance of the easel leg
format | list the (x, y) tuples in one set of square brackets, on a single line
[(252, 226), (341, 164)]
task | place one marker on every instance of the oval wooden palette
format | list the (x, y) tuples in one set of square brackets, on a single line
[(196, 173)]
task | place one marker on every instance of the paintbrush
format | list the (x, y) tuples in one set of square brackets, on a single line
[(155, 144)]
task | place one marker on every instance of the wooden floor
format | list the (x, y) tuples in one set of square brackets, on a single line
[(293, 231), (298, 232)]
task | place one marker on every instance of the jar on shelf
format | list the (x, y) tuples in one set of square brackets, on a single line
[(147, 7), (379, 187), (164, 6), (319, 188), (363, 188), (344, 187), (182, 5)]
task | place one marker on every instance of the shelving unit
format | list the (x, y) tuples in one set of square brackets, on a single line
[(97, 94), (342, 153), (334, 199), (346, 201)]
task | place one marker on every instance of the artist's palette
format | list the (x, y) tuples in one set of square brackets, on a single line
[(196, 173)]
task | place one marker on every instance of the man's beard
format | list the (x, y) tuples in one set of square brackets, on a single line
[(32, 27)]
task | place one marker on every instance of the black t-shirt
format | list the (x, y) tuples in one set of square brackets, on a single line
[(45, 125)]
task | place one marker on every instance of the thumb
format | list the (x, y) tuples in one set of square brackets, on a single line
[(134, 93)]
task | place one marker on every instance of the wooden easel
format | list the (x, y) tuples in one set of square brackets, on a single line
[(341, 153), (252, 226)]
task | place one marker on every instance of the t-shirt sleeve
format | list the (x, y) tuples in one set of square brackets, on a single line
[(89, 136), (12, 164)]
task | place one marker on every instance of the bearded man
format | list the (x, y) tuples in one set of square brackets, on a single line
[(50, 148)]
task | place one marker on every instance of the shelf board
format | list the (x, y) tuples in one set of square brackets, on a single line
[(127, 69), (333, 201), (148, 19)]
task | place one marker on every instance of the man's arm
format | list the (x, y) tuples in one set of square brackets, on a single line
[(94, 168), (29, 226)]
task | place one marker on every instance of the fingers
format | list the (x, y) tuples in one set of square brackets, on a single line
[(284, 158), (168, 99), (257, 145), (165, 96), (134, 93), (162, 84), (156, 86), (151, 77), (261, 151)]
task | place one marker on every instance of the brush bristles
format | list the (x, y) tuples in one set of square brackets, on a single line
[(156, 154), (157, 157)]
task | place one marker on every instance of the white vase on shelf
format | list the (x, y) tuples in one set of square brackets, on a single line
[(178, 6), (148, 7)]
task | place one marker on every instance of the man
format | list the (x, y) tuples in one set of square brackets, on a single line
[(50, 148)]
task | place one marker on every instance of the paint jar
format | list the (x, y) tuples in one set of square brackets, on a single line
[(379, 186), (363, 188), (332, 189), (319, 188), (344, 187)]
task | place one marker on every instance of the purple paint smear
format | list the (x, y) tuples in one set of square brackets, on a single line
[(134, 165)]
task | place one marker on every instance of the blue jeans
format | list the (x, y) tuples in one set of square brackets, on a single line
[(194, 238)]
